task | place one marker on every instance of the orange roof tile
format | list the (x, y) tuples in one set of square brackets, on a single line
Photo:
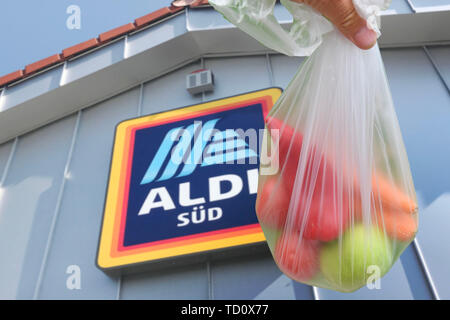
[(152, 17), (10, 77), (41, 64), (114, 33), (78, 48)]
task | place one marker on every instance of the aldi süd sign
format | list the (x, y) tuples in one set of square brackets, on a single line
[(184, 181)]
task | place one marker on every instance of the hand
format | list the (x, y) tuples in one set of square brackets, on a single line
[(344, 16)]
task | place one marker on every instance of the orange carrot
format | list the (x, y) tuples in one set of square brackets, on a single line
[(391, 196), (398, 225)]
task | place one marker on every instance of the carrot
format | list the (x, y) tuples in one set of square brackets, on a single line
[(390, 195), (398, 225)]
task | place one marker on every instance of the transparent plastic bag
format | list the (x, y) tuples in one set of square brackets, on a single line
[(341, 207)]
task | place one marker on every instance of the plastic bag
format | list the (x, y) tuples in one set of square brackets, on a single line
[(341, 207)]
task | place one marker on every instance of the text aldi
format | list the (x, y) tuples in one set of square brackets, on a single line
[(184, 182)]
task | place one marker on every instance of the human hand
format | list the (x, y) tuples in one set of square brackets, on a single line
[(343, 15)]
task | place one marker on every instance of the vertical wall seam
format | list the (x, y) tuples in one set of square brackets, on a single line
[(139, 113), (5, 173), (12, 152), (57, 208), (62, 80), (119, 288), (426, 270), (208, 262), (411, 6), (125, 48), (188, 27), (436, 67), (210, 285), (141, 100), (2, 94), (202, 66), (315, 293), (270, 70)]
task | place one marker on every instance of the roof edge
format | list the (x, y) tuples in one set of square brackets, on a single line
[(101, 39)]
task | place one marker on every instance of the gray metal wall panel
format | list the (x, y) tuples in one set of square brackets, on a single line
[(28, 205), (5, 150), (422, 104), (78, 226), (394, 285), (188, 282), (284, 68), (441, 56), (208, 19), (237, 75), (169, 91), (151, 37), (31, 88), (423, 108), (418, 282), (433, 240), (93, 62), (255, 277), (429, 3), (400, 6)]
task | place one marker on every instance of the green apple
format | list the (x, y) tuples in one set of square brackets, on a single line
[(271, 236), (348, 263)]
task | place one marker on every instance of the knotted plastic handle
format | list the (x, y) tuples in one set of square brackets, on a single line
[(256, 18)]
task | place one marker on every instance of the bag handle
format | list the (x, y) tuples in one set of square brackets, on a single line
[(256, 18)]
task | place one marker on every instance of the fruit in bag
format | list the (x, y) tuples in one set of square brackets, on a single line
[(317, 212), (272, 203), (289, 149), (342, 206), (391, 196), (348, 263), (398, 225), (298, 258)]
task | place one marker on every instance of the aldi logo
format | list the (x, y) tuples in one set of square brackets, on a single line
[(184, 181)]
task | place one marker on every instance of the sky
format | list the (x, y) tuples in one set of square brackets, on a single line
[(35, 29)]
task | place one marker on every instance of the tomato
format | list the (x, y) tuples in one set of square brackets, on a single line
[(325, 225), (272, 203), (289, 149), (322, 214), (321, 210), (297, 257)]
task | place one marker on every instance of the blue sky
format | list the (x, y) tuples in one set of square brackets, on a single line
[(35, 29)]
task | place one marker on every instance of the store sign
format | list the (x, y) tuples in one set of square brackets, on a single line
[(184, 182)]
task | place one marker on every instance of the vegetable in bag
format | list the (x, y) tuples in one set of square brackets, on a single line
[(342, 206)]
